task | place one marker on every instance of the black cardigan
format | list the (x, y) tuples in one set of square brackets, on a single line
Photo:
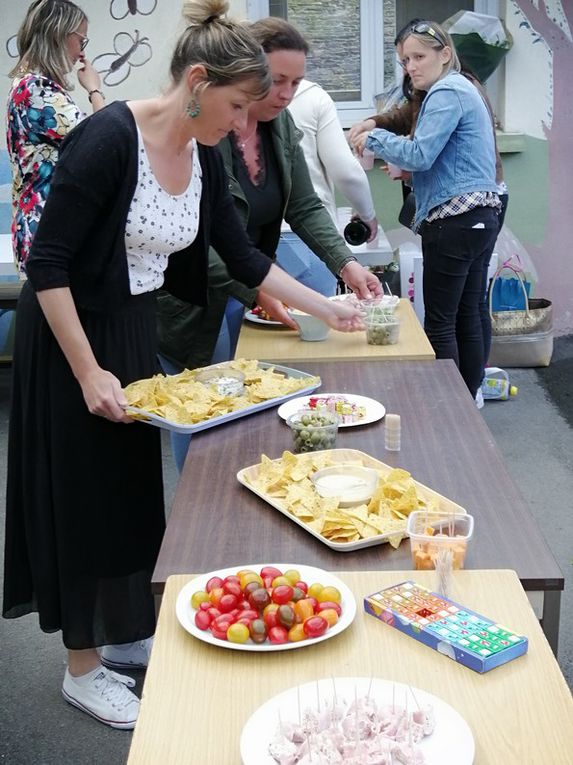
[(80, 241)]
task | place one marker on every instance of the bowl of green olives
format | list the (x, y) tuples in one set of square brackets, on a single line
[(382, 329), (313, 431)]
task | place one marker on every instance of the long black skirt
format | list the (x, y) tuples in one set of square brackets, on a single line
[(85, 514)]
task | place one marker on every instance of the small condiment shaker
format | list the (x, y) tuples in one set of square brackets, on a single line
[(392, 433)]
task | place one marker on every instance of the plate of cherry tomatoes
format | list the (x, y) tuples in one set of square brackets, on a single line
[(265, 607)]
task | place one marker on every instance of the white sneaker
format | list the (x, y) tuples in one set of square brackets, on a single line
[(479, 398), (128, 655), (104, 695)]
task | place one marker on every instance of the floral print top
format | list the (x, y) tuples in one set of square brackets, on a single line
[(40, 115)]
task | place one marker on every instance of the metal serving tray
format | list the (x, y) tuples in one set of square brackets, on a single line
[(160, 422)]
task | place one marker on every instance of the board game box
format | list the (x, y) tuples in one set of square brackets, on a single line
[(450, 628)]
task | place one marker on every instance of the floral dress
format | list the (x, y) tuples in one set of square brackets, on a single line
[(40, 115)]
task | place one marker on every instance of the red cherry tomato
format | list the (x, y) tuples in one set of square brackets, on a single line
[(314, 602), (213, 612), (271, 619), (250, 587), (227, 603), (248, 613), (232, 588), (205, 606), (220, 625), (214, 581), (231, 578), (282, 594), (278, 634), (258, 631), (271, 571), (302, 586), (285, 616), (315, 626), (203, 620), (297, 594), (259, 599), (323, 605), (268, 581)]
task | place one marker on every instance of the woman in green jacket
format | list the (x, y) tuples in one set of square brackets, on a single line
[(269, 181)]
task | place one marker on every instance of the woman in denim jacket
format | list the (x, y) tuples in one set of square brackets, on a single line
[(451, 156)]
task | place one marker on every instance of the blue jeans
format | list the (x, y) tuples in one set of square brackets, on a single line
[(456, 257), (298, 260)]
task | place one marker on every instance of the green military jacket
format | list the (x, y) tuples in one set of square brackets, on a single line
[(187, 333)]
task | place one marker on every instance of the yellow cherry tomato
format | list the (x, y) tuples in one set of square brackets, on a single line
[(292, 575), (278, 580), (270, 607), (303, 609), (199, 597), (250, 576), (330, 615), (296, 633), (315, 591), (238, 633), (330, 593)]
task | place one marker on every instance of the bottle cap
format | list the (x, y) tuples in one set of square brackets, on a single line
[(513, 390)]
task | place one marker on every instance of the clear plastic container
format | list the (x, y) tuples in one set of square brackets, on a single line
[(431, 533), (496, 384), (313, 431), (382, 329)]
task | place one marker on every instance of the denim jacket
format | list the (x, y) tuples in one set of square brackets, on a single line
[(452, 151)]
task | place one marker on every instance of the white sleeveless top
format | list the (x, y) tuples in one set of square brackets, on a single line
[(159, 223)]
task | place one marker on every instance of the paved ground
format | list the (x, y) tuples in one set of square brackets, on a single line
[(534, 433)]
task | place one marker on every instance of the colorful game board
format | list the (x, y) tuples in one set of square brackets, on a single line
[(465, 636)]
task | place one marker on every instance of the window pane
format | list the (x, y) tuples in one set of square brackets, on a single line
[(334, 58)]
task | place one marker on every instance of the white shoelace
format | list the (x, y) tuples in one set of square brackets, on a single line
[(115, 688)]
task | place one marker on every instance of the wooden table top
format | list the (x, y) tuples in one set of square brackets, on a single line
[(284, 345), (215, 522), (197, 697)]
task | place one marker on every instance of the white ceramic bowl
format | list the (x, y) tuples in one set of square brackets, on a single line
[(309, 327), (352, 484)]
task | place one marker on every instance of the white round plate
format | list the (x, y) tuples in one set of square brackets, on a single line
[(374, 409), (256, 319), (451, 742), (309, 574)]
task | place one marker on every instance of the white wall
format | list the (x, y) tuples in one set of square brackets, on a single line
[(161, 27)]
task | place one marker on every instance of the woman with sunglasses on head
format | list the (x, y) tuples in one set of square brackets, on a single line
[(451, 156), (138, 195), (41, 112)]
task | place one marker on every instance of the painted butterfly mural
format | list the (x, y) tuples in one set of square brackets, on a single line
[(129, 51), (119, 9)]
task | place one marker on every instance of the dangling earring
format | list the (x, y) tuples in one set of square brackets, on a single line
[(193, 108)]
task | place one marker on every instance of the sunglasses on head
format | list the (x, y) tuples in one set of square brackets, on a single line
[(423, 28)]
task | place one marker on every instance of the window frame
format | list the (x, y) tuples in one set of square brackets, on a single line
[(371, 58)]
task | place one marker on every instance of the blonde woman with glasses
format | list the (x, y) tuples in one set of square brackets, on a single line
[(41, 112)]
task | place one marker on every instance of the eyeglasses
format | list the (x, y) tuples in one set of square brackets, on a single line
[(423, 28), (84, 40)]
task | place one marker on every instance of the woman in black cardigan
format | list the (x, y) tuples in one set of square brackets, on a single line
[(133, 185)]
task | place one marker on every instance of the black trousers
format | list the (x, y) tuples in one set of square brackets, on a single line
[(456, 253)]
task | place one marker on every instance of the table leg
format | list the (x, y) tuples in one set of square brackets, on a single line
[(550, 618)]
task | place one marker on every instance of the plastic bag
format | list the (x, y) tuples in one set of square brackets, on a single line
[(481, 41)]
